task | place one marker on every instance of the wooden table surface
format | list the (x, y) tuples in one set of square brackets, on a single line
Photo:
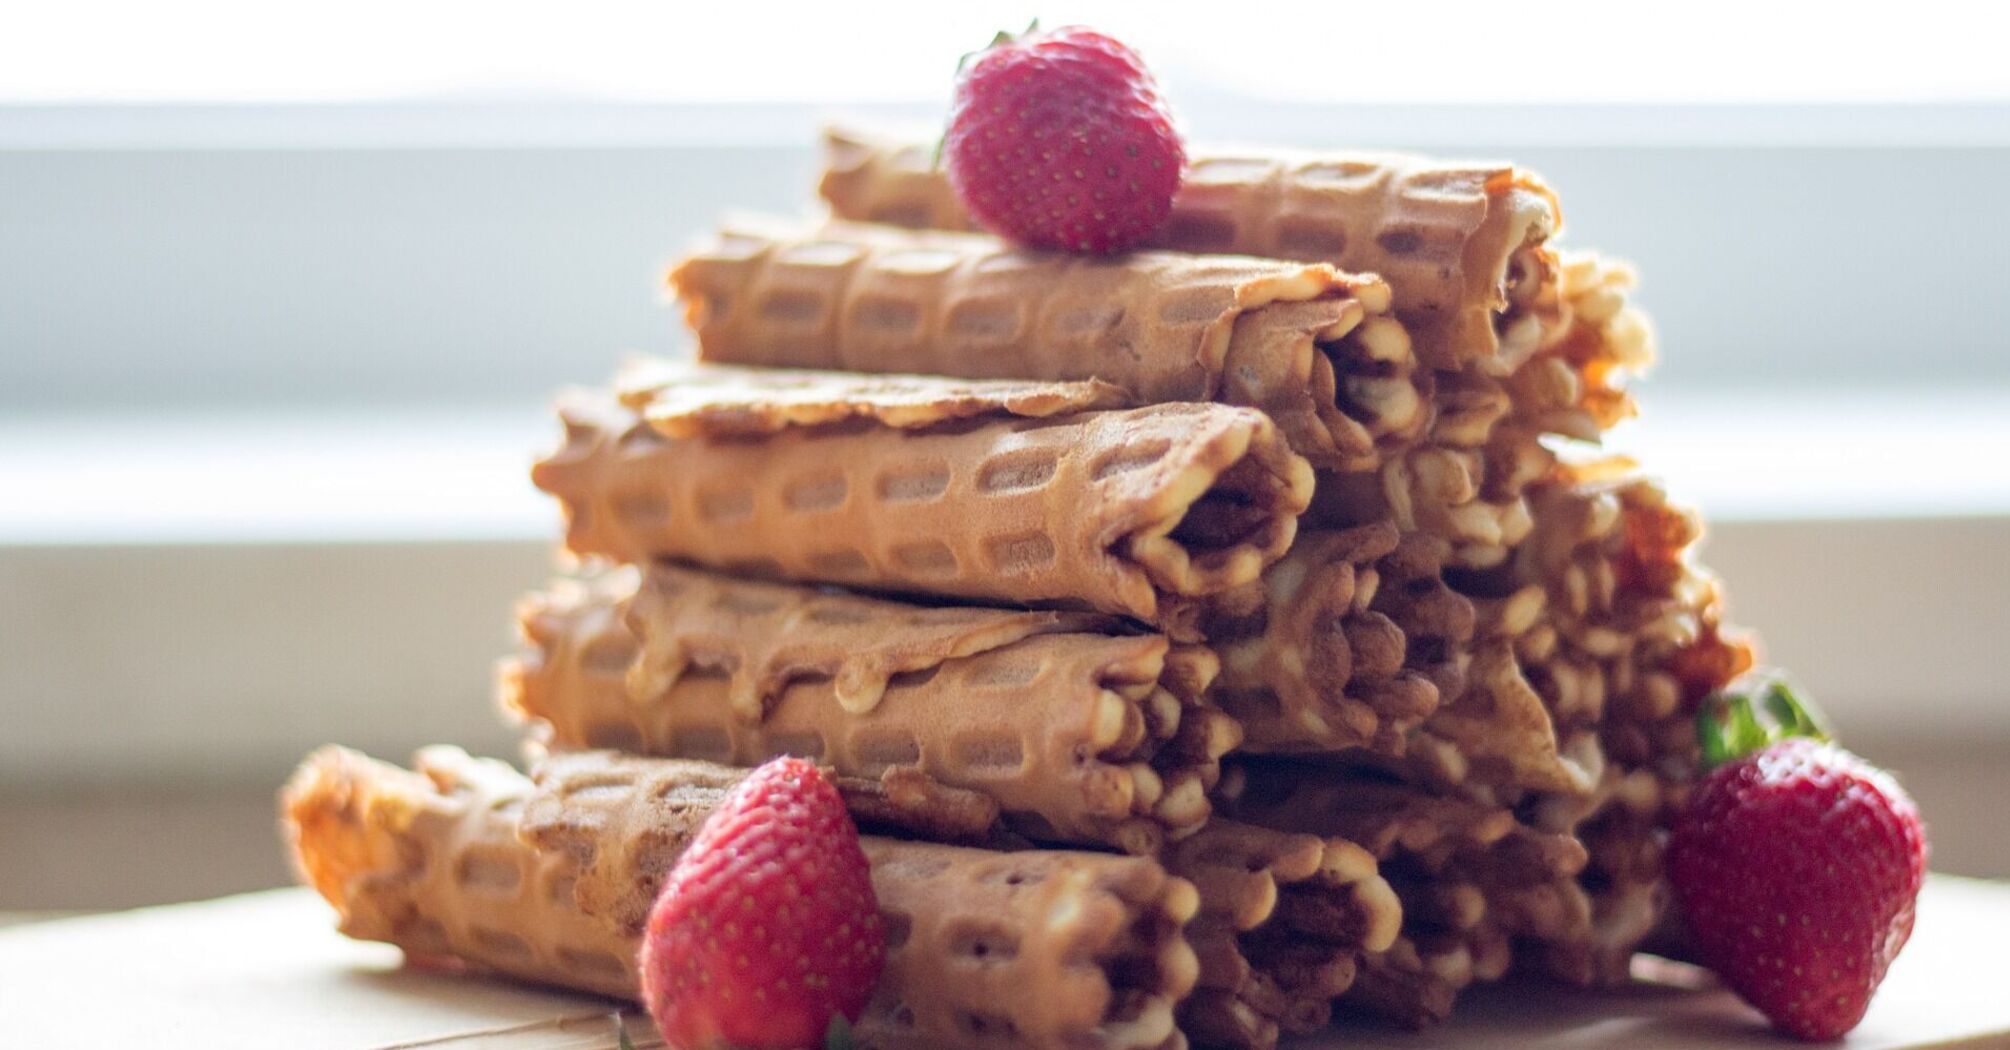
[(267, 970)]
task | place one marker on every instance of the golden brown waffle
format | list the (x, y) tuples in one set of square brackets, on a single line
[(1464, 245), (1311, 347), (1558, 351), (1575, 385), (551, 882), (1081, 731), (1284, 921), (1416, 981), (1636, 643), (430, 861), (1619, 632), (1471, 498), (1355, 643), (1473, 881), (1308, 663), (681, 399), (1139, 512), (1601, 627)]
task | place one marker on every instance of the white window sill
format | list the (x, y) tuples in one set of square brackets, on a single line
[(213, 595), (374, 476)]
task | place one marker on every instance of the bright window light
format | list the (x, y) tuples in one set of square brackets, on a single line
[(1709, 51)]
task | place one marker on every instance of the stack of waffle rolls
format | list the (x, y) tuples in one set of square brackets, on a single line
[(550, 878), (1305, 589)]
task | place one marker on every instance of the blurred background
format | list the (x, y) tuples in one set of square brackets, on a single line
[(285, 289)]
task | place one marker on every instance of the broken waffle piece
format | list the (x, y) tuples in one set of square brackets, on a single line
[(1313, 348), (1079, 728), (1139, 512), (683, 399), (551, 881)]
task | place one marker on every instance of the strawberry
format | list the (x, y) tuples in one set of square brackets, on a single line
[(1059, 139), (1795, 866), (766, 935)]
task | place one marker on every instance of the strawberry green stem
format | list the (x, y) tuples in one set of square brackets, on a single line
[(1728, 724)]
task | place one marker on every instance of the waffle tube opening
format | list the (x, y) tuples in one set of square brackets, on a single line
[(1237, 511), (325, 809)]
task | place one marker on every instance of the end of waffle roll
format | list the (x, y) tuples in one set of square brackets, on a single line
[(1032, 948), (1308, 662), (327, 809), (1285, 922)]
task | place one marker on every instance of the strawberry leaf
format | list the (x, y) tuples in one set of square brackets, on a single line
[(622, 1042), (998, 39), (1728, 724), (838, 1035), (1795, 716)]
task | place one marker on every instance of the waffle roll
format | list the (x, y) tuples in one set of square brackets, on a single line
[(550, 880), (1284, 922), (1080, 730), (1138, 512), (1313, 348), (1464, 245)]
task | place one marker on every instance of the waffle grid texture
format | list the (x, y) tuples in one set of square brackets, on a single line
[(1080, 730), (1448, 236), (1313, 348), (1136, 512), (551, 880)]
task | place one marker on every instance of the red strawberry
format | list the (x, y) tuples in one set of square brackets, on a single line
[(1796, 867), (766, 931), (1059, 139)]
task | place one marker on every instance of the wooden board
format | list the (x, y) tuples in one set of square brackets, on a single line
[(267, 970)]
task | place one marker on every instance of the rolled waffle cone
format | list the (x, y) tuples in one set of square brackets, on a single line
[(551, 881), (1313, 348), (1464, 245), (1080, 730), (1284, 921), (1138, 512)]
